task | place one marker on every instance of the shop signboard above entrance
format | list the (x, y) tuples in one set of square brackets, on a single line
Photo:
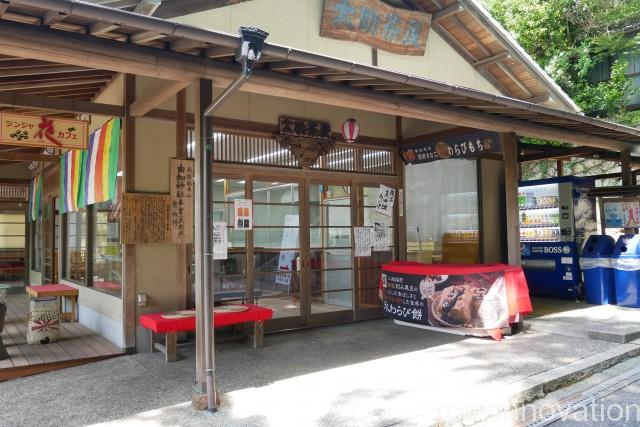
[(42, 131), (463, 146), (376, 24)]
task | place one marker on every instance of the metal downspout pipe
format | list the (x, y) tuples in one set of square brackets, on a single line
[(249, 52)]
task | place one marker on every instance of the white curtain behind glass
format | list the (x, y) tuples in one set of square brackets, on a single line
[(429, 200)]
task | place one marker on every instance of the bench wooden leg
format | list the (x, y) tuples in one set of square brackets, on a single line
[(170, 347), (258, 334)]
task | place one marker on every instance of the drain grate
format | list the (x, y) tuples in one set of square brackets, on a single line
[(571, 404)]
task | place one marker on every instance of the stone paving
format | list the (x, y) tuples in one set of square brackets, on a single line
[(372, 373)]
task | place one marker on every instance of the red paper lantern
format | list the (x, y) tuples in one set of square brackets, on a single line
[(350, 130)]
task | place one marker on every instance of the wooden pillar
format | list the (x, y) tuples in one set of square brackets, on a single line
[(183, 276), (203, 98), (401, 228), (625, 166), (627, 177), (511, 173), (560, 167), (129, 250)]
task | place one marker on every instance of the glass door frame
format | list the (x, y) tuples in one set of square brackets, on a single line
[(362, 313), (305, 179)]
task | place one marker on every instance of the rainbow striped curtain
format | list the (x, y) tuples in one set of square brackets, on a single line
[(72, 165), (35, 197), (102, 163)]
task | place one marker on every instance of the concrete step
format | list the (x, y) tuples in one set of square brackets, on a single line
[(536, 387)]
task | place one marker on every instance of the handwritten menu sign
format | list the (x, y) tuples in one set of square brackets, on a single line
[(145, 218), (386, 199), (42, 131), (381, 241), (363, 244), (376, 24), (471, 144), (181, 200)]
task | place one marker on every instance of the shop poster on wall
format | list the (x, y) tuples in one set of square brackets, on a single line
[(289, 240), (243, 214), (220, 242), (622, 213), (363, 241), (381, 241), (386, 199)]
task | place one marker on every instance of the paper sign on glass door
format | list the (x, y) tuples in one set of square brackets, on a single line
[(386, 199), (220, 240), (243, 209), (362, 241)]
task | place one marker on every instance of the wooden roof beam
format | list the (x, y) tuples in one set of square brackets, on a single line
[(13, 99), (3, 7), (102, 27), (52, 17), (216, 52), (185, 45), (560, 154), (34, 71), (145, 37), (53, 83), (347, 77), (451, 10), (539, 99), (289, 65), (492, 59), (154, 97)]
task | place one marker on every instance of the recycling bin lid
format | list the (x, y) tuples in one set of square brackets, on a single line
[(627, 245), (598, 245)]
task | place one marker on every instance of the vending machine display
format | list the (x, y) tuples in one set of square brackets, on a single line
[(556, 217)]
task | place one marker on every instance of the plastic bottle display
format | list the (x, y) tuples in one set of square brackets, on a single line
[(539, 216)]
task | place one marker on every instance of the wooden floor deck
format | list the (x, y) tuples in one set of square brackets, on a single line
[(77, 345)]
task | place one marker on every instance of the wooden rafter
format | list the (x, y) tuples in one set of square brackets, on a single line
[(155, 97), (449, 11), (64, 105)]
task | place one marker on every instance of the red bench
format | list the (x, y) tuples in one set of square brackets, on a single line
[(170, 327)]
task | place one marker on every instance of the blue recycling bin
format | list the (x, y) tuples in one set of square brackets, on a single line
[(626, 264), (595, 262)]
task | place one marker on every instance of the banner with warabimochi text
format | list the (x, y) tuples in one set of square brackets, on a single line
[(468, 301), (467, 145)]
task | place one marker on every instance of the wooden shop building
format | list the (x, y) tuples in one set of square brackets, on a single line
[(410, 73)]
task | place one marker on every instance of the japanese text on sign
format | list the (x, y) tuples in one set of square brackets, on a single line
[(220, 242), (376, 24), (305, 128), (454, 147), (145, 218), (386, 199), (181, 200), (32, 131), (362, 236)]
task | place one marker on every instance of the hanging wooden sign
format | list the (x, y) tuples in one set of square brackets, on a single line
[(145, 218), (376, 24), (181, 201), (42, 131)]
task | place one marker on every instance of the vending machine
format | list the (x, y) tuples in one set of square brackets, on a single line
[(556, 217)]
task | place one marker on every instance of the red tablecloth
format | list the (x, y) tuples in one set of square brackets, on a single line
[(515, 281), (54, 290), (160, 325)]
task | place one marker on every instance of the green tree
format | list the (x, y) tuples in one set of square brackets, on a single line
[(570, 38)]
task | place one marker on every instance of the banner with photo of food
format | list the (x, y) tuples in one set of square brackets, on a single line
[(477, 299)]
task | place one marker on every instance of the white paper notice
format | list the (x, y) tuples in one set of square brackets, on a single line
[(381, 241), (220, 242), (243, 210), (386, 199), (289, 240), (363, 241)]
